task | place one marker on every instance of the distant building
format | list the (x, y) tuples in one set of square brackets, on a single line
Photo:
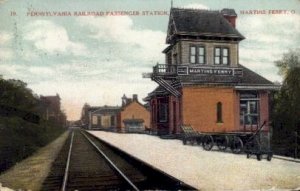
[(85, 114), (103, 118), (51, 109), (203, 83), (133, 116)]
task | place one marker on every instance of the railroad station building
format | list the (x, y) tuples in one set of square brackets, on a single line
[(202, 82)]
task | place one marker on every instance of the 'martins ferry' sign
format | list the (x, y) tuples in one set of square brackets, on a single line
[(185, 70)]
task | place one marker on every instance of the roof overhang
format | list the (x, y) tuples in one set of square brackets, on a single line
[(166, 50), (220, 35)]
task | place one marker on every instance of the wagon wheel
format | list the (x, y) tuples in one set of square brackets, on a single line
[(237, 145), (208, 142), (269, 157), (258, 156), (222, 142), (198, 140), (248, 155)]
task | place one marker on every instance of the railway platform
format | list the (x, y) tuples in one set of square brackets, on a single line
[(206, 170)]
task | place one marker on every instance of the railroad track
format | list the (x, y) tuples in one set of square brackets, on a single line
[(86, 163)]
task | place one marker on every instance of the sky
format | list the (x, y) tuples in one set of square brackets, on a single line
[(56, 49)]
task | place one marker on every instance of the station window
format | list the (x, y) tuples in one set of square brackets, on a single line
[(197, 54), (221, 56), (249, 109), (219, 113)]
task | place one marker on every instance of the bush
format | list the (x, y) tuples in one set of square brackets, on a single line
[(20, 139)]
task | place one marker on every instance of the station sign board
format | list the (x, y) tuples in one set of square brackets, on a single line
[(187, 70)]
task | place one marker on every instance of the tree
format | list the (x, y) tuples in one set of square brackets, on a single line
[(15, 93), (19, 137), (287, 100)]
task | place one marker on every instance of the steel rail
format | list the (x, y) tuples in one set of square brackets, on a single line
[(63, 188), (111, 163)]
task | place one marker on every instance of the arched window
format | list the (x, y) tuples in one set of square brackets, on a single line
[(219, 113)]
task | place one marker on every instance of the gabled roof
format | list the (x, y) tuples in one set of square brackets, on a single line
[(128, 104), (250, 77), (197, 22), (128, 101)]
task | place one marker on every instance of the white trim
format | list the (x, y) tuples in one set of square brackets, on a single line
[(258, 87)]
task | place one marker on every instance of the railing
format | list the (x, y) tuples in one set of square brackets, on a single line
[(164, 69)]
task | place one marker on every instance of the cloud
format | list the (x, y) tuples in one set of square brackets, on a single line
[(6, 54), (5, 51), (5, 37), (141, 44), (52, 38), (196, 6), (10, 70), (29, 74), (271, 28), (43, 71), (267, 38), (29, 55), (2, 1)]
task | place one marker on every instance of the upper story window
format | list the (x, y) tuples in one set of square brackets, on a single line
[(197, 54), (221, 56)]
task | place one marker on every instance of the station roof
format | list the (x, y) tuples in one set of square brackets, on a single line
[(250, 77), (202, 22)]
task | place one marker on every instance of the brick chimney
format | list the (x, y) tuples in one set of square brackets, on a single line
[(230, 16), (124, 100), (135, 97)]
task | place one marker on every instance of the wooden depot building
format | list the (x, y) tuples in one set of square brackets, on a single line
[(202, 83)]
